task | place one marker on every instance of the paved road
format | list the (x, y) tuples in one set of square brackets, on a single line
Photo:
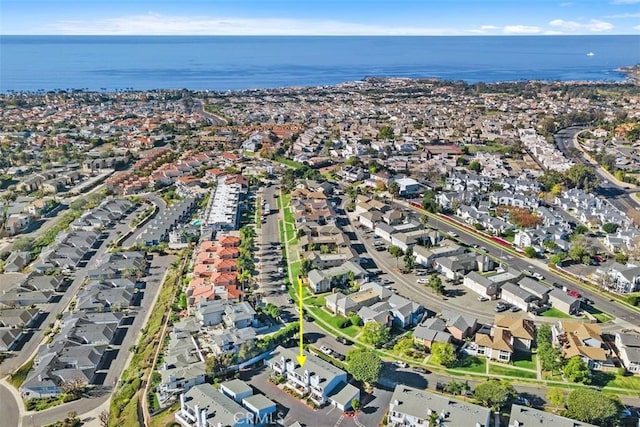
[(270, 253), (159, 202), (8, 406), (618, 195), (211, 118)]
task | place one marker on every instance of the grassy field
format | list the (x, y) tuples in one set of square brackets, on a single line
[(289, 162), (316, 301), (334, 321), (17, 378), (524, 360), (598, 314), (471, 364), (510, 372), (554, 312)]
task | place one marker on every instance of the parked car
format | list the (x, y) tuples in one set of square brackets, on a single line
[(527, 272), (381, 248), (419, 370), (345, 341), (341, 357), (422, 281), (502, 307), (326, 350), (482, 298), (421, 272), (515, 309)]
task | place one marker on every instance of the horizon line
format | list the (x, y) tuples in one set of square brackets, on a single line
[(322, 35)]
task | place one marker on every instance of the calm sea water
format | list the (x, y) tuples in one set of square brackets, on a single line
[(30, 63)]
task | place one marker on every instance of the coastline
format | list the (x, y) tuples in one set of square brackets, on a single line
[(632, 73)]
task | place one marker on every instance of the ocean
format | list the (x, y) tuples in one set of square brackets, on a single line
[(108, 63)]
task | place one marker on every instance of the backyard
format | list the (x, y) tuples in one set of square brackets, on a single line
[(524, 360), (554, 312), (334, 321)]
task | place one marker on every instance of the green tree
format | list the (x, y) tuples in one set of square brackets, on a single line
[(494, 394), (394, 188), (530, 252), (355, 404), (580, 229), (306, 265), (475, 166), (592, 406), (556, 397), (375, 334), (443, 354), (396, 252), (581, 176), (429, 202), (409, 259), (364, 365), (577, 371), (404, 345), (385, 132), (610, 227), (621, 258), (435, 283), (578, 250)]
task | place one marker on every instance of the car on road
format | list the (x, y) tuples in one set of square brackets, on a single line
[(556, 285), (399, 364), (482, 298), (381, 248), (527, 272), (419, 370), (452, 234), (345, 341), (422, 281), (573, 293), (538, 276), (326, 350), (515, 309), (421, 272)]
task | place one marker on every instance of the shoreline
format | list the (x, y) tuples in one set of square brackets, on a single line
[(629, 75)]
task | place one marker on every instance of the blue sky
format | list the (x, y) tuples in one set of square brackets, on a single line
[(319, 17)]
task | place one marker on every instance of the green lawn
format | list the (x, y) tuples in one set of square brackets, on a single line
[(510, 372), (316, 301), (610, 379), (598, 314), (471, 364), (554, 312), (17, 378), (334, 321), (524, 360)]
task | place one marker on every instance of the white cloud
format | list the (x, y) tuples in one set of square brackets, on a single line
[(566, 4), (625, 1), (637, 27), (156, 24), (484, 29), (594, 25), (521, 29)]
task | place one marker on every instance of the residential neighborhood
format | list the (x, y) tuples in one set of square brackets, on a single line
[(384, 252)]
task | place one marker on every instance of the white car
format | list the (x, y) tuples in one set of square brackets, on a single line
[(399, 364), (422, 281), (538, 276), (326, 350)]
